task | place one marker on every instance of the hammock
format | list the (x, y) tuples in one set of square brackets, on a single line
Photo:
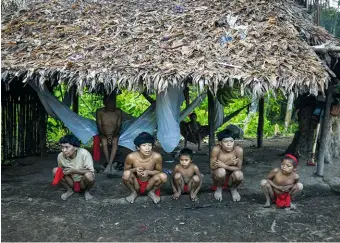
[(167, 123)]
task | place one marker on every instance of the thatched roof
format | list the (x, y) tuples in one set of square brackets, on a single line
[(156, 43)]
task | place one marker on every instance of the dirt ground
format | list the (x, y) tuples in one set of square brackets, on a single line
[(33, 211)]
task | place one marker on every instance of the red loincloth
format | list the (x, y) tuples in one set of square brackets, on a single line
[(282, 200), (76, 186), (96, 148), (186, 188), (143, 185), (58, 176), (225, 185)]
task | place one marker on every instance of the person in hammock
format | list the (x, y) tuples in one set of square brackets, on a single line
[(109, 120), (226, 163), (143, 170), (282, 184), (193, 128)]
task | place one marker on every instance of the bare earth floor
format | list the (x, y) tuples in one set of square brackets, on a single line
[(31, 209)]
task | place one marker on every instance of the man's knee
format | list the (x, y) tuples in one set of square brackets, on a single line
[(161, 178), (299, 186), (264, 183), (104, 141), (238, 175), (54, 170), (89, 177), (221, 173), (126, 175), (178, 176), (196, 179)]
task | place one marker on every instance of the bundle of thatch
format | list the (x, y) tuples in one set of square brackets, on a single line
[(156, 43)]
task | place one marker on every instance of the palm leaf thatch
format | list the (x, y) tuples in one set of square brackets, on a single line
[(156, 43)]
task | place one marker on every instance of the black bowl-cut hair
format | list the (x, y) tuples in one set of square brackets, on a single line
[(71, 139), (186, 151)]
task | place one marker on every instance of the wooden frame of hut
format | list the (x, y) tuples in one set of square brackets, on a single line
[(152, 45)]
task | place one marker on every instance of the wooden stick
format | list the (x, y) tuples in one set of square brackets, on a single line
[(260, 123), (211, 121)]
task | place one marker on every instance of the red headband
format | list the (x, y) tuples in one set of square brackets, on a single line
[(292, 157)]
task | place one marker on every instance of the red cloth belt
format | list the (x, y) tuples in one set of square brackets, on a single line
[(143, 185), (96, 148), (76, 186), (225, 185), (186, 188), (282, 200), (58, 176)]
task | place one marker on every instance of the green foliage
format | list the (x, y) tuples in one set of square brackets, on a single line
[(330, 20)]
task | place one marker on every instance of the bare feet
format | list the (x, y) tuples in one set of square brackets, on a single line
[(176, 195), (292, 207), (267, 204), (154, 197), (88, 196), (218, 193), (67, 194), (235, 195), (109, 170), (131, 198), (193, 197)]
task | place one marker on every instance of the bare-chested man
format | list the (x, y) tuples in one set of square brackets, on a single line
[(186, 176), (143, 170), (282, 184), (75, 165), (193, 128), (109, 120), (226, 163)]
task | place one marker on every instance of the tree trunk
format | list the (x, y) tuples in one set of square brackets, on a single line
[(325, 130), (332, 152), (289, 111), (302, 143)]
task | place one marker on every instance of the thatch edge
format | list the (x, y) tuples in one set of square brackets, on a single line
[(156, 82)]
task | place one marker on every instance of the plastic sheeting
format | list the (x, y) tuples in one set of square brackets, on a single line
[(168, 104), (219, 115), (84, 129), (145, 123)]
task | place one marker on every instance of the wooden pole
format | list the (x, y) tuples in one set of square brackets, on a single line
[(325, 128), (42, 130), (186, 96), (75, 103), (260, 123), (211, 121)]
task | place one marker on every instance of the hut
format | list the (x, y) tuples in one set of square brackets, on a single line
[(155, 44)]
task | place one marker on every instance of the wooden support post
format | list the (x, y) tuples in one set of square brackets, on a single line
[(186, 96), (75, 103), (325, 128), (42, 130), (260, 123), (211, 121)]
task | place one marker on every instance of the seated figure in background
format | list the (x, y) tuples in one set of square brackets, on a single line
[(109, 120), (192, 128)]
